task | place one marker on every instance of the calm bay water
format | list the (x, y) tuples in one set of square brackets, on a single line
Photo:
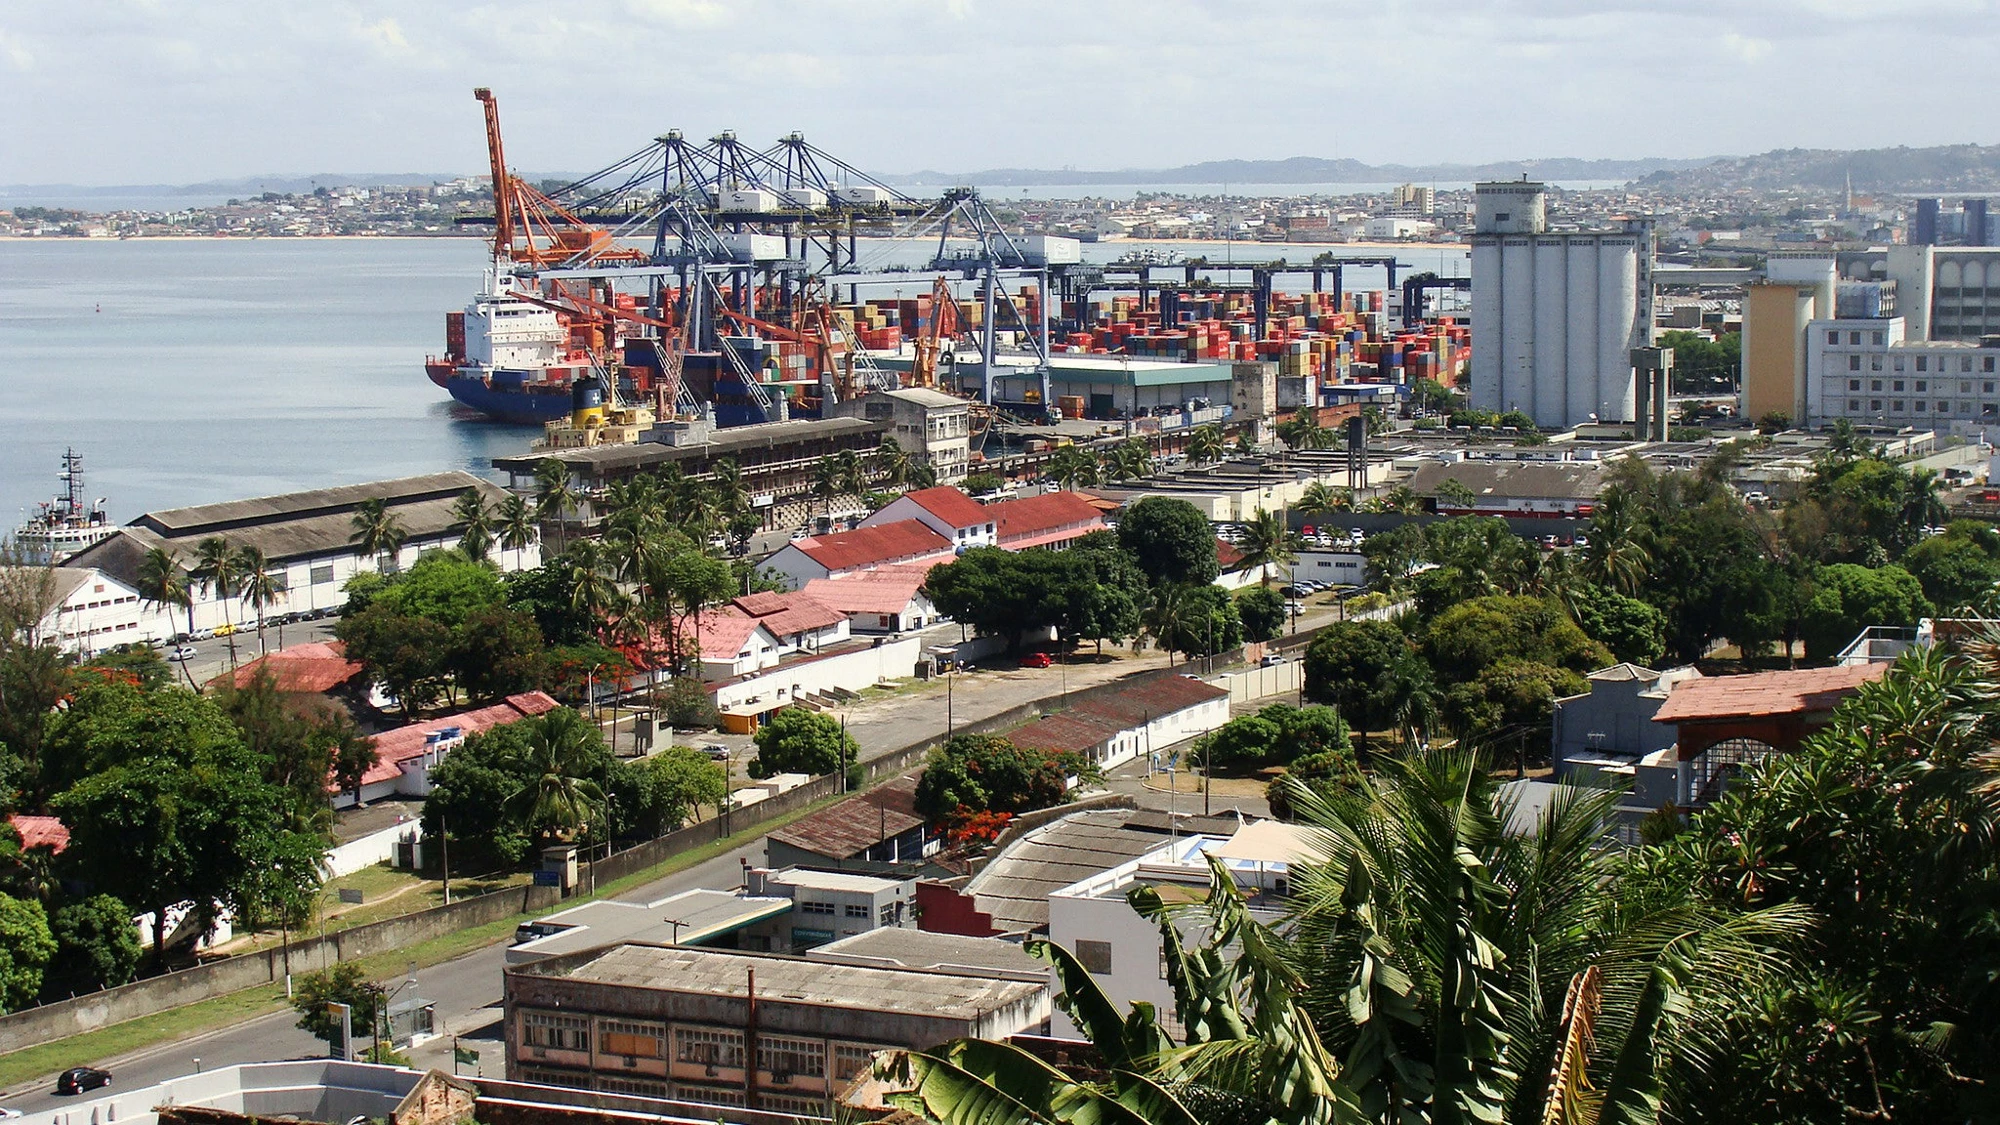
[(188, 372)]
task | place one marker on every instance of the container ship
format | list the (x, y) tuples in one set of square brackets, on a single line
[(513, 356)]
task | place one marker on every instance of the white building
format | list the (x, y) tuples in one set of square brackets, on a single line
[(1872, 372), (931, 426), (947, 511), (90, 611), (307, 537), (1148, 717), (1555, 315), (854, 552), (1092, 919)]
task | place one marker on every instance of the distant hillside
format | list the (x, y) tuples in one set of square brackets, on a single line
[(244, 185), (1312, 170), (1875, 170)]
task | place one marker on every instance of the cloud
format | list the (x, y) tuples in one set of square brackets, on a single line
[(1745, 47), (134, 91)]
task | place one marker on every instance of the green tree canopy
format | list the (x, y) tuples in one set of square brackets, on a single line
[(1262, 611), (1848, 598), (1631, 629), (975, 773), (444, 587), (26, 947), (1465, 640), (1347, 665), (1958, 569), (1170, 540), (796, 740), (96, 947)]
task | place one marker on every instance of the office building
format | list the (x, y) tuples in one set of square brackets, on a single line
[(1795, 291), (1555, 314), (1872, 372)]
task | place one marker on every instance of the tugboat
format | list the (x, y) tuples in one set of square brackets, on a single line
[(65, 524)]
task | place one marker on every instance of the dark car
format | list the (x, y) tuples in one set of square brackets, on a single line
[(77, 1079)]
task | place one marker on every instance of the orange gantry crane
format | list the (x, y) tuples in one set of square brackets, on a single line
[(944, 325), (528, 226)]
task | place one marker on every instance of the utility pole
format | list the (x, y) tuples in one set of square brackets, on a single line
[(444, 851)]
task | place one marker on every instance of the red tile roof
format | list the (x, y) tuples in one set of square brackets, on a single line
[(901, 541), (1038, 515), (392, 748), (887, 589), (1070, 732), (41, 832), (1226, 554), (721, 632), (858, 823), (955, 508), (1765, 693), (786, 614), (308, 669)]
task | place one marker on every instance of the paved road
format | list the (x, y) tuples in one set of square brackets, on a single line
[(466, 992)]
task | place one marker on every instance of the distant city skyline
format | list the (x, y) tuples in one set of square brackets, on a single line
[(147, 92)]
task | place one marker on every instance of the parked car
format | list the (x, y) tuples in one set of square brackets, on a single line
[(1037, 660), (181, 652), (1272, 661), (10, 1114), (77, 1079), (716, 751)]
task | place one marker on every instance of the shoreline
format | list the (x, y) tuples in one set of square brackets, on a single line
[(1316, 247)]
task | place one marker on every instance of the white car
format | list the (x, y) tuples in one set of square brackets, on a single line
[(183, 652)]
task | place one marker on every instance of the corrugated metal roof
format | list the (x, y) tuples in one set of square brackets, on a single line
[(1014, 888), (1562, 480), (1036, 515), (858, 823), (955, 508)]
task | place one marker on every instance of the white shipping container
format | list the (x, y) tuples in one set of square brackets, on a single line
[(804, 197), (1052, 250), (862, 195), (749, 199), (746, 247)]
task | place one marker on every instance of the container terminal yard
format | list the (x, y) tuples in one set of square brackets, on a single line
[(688, 287)]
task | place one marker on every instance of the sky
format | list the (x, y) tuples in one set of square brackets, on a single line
[(102, 92)]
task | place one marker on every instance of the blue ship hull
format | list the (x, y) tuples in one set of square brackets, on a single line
[(509, 405)]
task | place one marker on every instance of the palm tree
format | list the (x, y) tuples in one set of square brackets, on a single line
[(1403, 501), (1412, 696), (555, 499), (471, 511), (514, 522), (592, 590), (377, 531), (257, 586), (1166, 617), (216, 568), (162, 582), (1303, 431), (1248, 1050), (1205, 446), (560, 799), (1616, 555), (1267, 542), (1463, 972), (1073, 467), (890, 462), (852, 480), (826, 482), (1128, 460), (1320, 500)]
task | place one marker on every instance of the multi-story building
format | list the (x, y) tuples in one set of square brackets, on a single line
[(738, 1029), (1873, 372), (1555, 314), (930, 425)]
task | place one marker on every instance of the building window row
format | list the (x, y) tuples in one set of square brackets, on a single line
[(816, 908), (709, 1047), (785, 1057), (545, 1030)]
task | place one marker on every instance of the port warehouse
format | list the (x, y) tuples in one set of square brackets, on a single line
[(308, 537)]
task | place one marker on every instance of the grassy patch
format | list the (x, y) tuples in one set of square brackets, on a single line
[(45, 1059)]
